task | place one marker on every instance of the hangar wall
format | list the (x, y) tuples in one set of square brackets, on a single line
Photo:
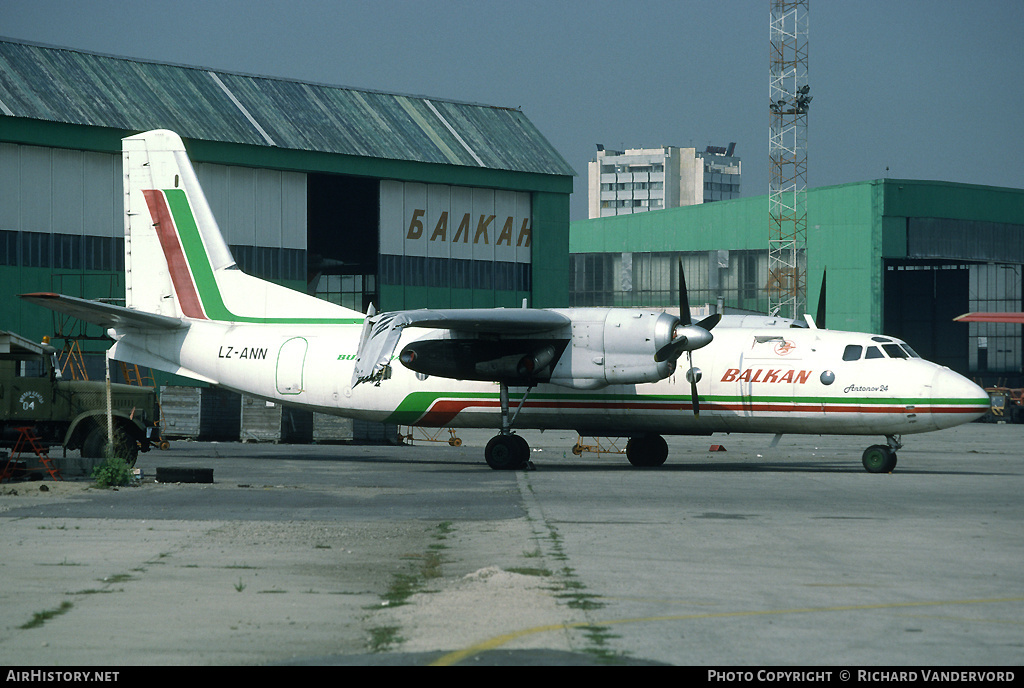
[(453, 245)]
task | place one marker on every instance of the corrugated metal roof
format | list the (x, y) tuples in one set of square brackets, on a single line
[(74, 87)]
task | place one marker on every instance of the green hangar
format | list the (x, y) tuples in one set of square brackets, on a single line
[(354, 195), (901, 257)]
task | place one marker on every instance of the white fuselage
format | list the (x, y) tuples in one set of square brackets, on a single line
[(776, 380)]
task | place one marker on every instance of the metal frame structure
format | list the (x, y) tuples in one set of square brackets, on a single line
[(789, 101)]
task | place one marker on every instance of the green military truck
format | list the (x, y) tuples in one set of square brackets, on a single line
[(70, 413)]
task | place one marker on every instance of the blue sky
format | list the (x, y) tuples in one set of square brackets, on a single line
[(931, 89)]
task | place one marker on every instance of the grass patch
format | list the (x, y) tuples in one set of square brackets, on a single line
[(599, 637), (580, 601), (382, 638), (39, 618), (63, 563), (529, 571), (403, 586), (431, 567)]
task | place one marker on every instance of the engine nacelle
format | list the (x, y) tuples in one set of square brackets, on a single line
[(515, 361), (615, 347), (601, 347)]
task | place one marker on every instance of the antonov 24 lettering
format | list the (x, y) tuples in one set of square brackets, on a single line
[(599, 371)]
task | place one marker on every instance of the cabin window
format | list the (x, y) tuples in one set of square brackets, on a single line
[(852, 352), (873, 352), (894, 351)]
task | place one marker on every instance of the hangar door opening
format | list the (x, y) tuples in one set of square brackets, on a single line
[(921, 300), (343, 239)]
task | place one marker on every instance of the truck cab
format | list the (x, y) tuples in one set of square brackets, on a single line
[(71, 413)]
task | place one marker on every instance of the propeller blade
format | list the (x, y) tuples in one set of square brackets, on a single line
[(710, 321), (684, 302), (672, 350), (694, 398), (819, 319)]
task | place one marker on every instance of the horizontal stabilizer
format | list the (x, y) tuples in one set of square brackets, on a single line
[(107, 315), (991, 317)]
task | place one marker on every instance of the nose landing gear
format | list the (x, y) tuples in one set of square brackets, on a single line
[(881, 458)]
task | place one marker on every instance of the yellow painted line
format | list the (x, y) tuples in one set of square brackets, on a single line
[(936, 617), (455, 657)]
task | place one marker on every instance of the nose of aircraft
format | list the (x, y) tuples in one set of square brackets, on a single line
[(956, 400)]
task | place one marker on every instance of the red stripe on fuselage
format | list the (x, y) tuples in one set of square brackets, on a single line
[(181, 276)]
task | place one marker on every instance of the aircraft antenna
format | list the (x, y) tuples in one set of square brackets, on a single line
[(789, 101)]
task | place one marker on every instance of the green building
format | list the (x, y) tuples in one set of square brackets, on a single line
[(902, 257)]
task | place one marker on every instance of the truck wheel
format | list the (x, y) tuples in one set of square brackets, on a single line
[(125, 446)]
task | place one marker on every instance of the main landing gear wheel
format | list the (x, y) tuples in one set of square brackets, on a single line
[(647, 450), (879, 458), (507, 452)]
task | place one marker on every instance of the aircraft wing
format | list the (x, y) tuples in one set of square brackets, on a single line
[(381, 332), (991, 317), (106, 315)]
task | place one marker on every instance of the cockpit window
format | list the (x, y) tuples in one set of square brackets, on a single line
[(894, 351)]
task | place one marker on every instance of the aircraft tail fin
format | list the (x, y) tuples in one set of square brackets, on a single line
[(177, 263)]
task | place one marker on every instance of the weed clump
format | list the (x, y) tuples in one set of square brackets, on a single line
[(113, 472)]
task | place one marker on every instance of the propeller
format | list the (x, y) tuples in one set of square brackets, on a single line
[(687, 336), (819, 319)]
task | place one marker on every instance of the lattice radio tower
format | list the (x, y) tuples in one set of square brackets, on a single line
[(789, 100)]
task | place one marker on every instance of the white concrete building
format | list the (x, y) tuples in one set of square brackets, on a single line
[(641, 179)]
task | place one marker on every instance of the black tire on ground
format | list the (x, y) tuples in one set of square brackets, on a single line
[(184, 475), (647, 451), (507, 452)]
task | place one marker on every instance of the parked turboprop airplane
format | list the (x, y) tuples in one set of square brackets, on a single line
[(600, 371)]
